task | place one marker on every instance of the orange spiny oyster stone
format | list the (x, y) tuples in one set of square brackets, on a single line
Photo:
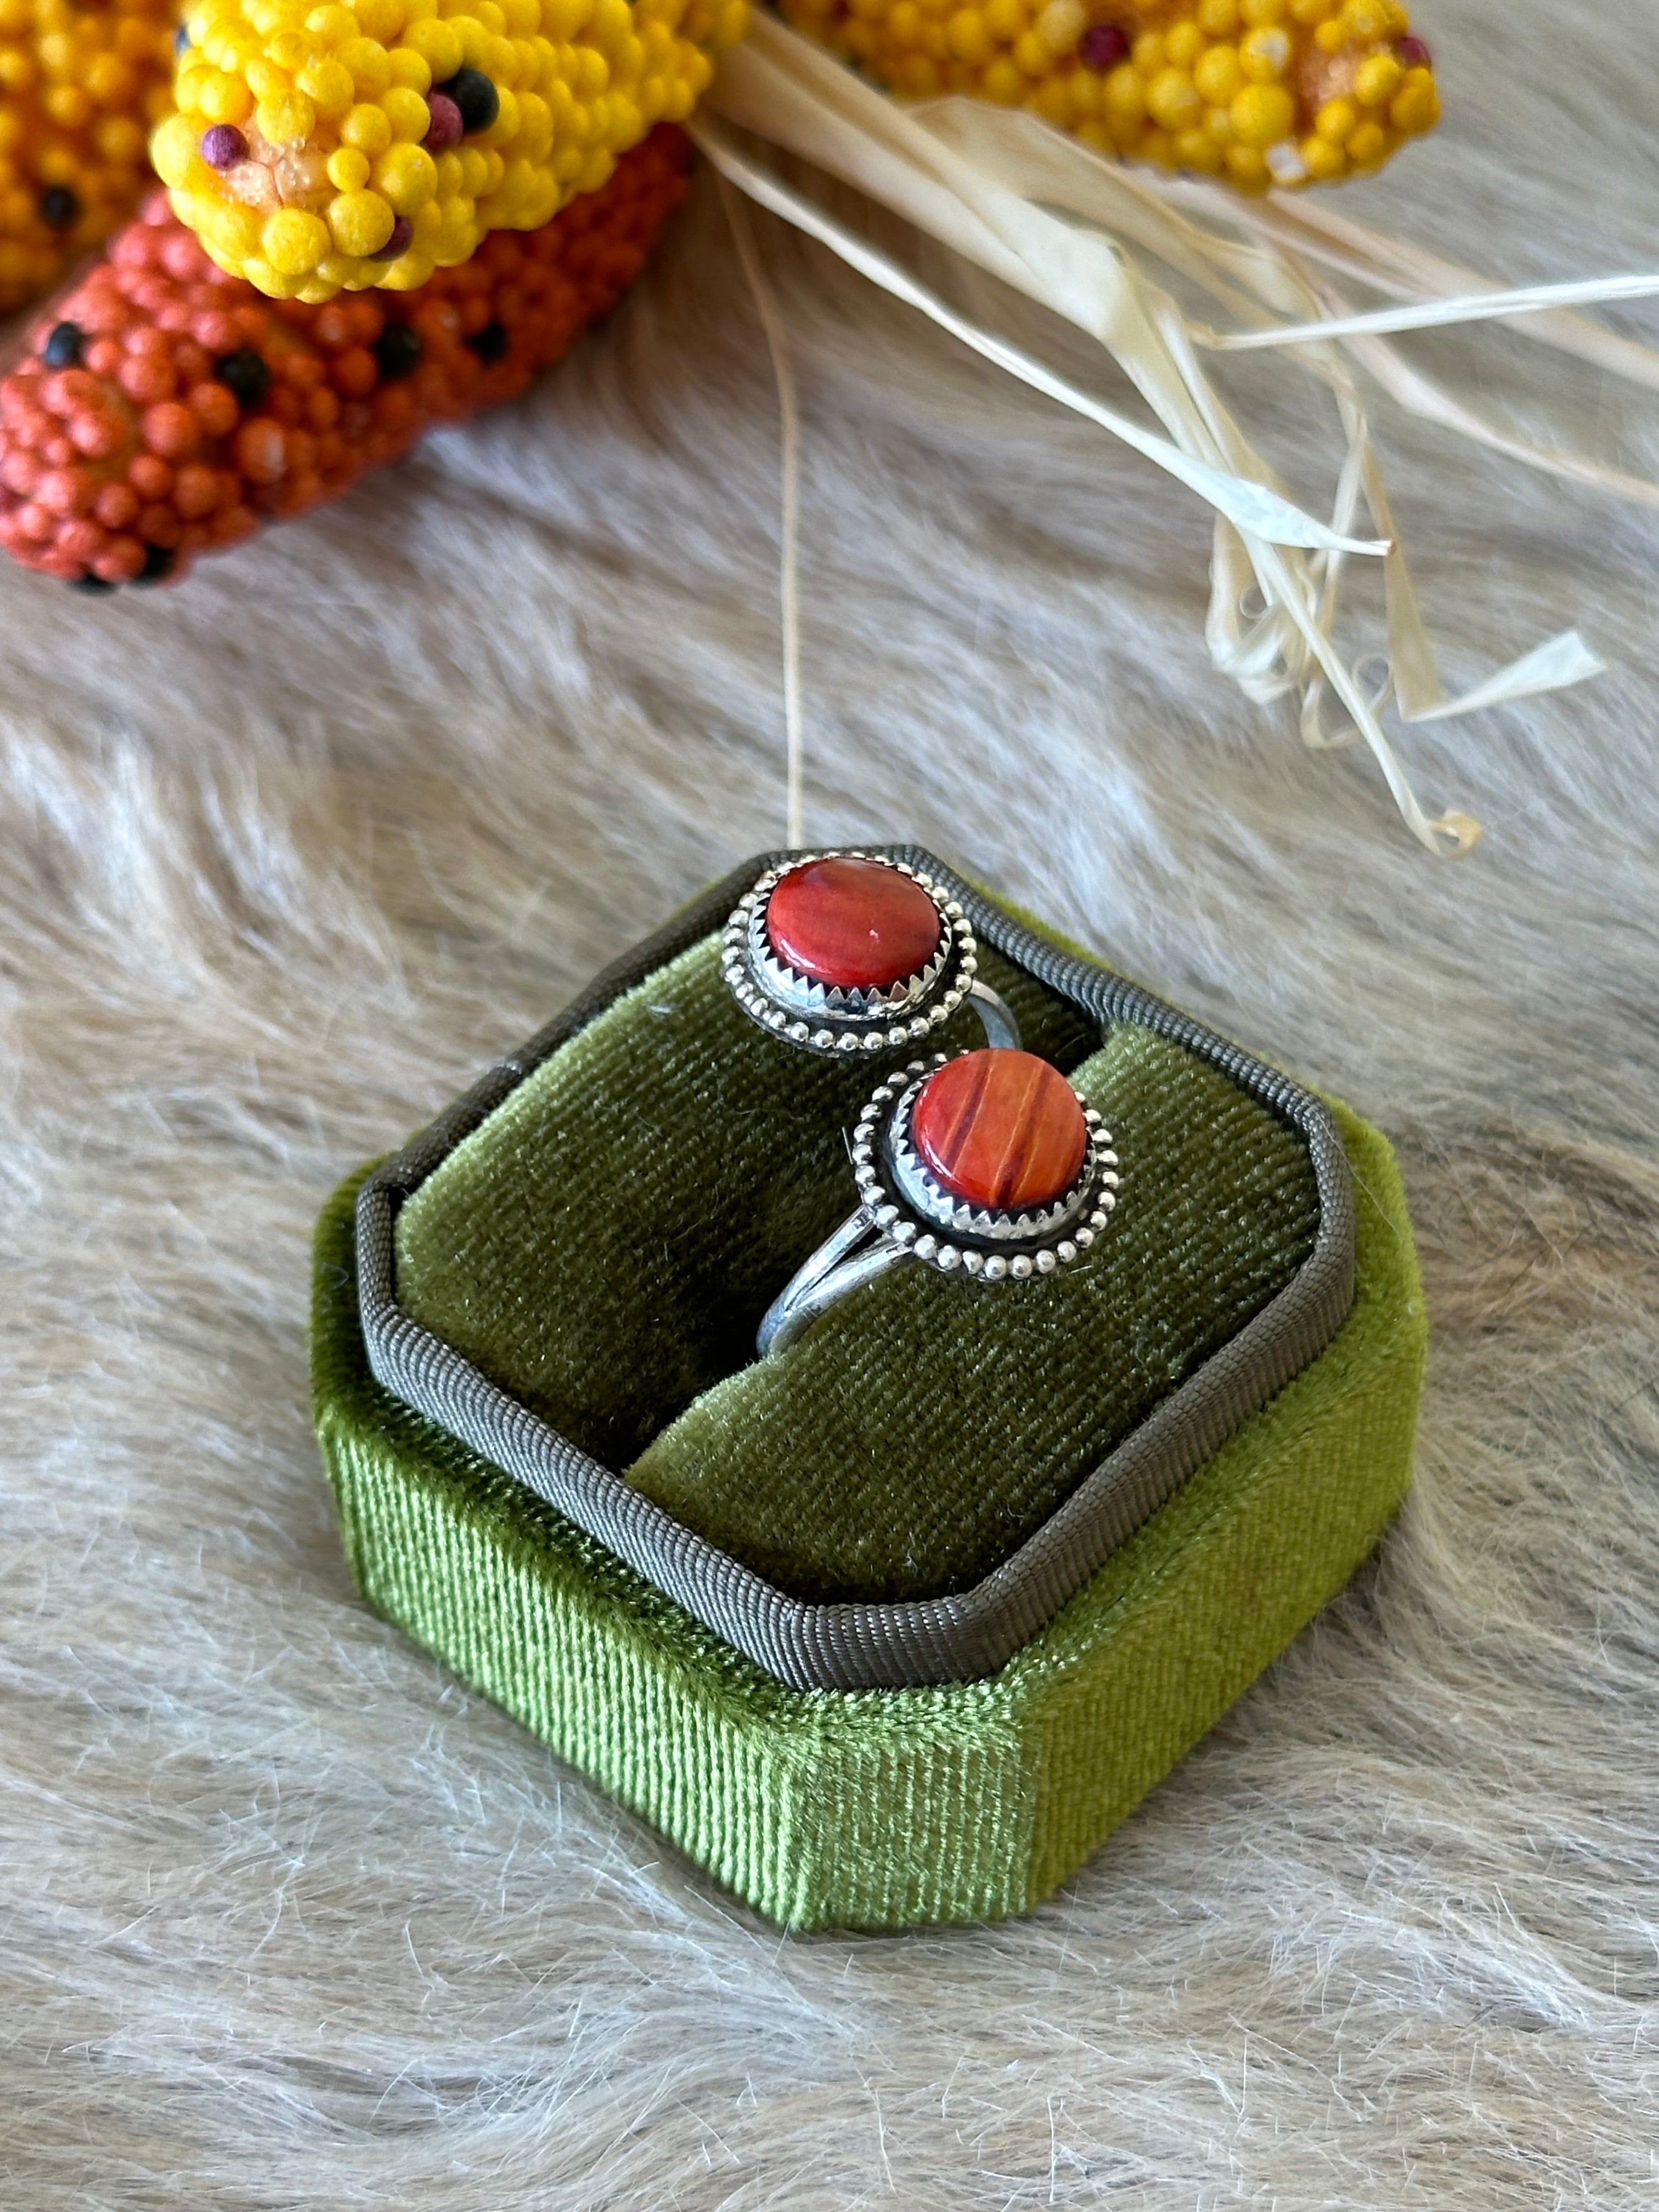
[(856, 924), (999, 1129), (164, 409)]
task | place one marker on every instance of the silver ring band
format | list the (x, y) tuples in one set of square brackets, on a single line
[(828, 1277), (996, 1016)]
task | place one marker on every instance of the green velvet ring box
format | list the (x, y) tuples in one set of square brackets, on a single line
[(893, 1628)]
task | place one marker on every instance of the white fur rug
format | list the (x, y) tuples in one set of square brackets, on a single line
[(290, 1918)]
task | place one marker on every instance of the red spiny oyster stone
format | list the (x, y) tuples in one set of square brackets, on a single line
[(999, 1128), (856, 924)]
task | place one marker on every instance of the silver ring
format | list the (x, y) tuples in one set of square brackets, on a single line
[(848, 952), (940, 1144)]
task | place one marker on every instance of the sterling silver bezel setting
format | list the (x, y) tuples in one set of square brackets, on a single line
[(826, 1017), (898, 1197)]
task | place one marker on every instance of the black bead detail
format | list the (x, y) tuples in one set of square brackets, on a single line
[(475, 95), (490, 343), (60, 208), (245, 375), (158, 562), (181, 40), (398, 350), (93, 584), (62, 347)]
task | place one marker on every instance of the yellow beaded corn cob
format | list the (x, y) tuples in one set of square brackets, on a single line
[(80, 87), (1260, 92), (317, 149)]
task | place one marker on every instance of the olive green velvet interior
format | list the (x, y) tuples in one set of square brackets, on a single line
[(605, 1244)]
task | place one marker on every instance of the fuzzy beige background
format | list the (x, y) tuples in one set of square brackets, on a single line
[(291, 1919)]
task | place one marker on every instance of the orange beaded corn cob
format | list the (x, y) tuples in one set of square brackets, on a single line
[(1260, 92), (80, 87), (165, 408), (317, 149)]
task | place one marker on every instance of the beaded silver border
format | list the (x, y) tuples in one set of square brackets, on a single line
[(898, 1195), (825, 1017)]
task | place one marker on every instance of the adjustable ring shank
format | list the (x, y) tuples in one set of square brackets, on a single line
[(1001, 1029), (826, 1278)]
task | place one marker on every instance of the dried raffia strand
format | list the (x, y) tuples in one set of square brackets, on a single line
[(777, 345), (80, 87), (987, 181), (340, 147), (165, 409), (1256, 92)]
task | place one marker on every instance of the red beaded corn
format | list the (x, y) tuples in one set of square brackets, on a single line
[(80, 84), (166, 408)]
